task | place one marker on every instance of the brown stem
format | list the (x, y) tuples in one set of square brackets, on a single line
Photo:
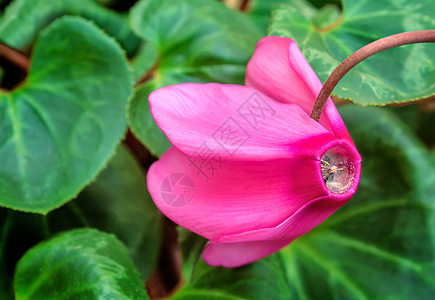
[(149, 74), (15, 57), (245, 5), (392, 41)]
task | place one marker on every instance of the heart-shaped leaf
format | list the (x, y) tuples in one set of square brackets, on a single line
[(79, 264), (397, 75), (60, 127)]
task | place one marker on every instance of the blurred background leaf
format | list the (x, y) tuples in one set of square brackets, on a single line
[(79, 264), (397, 75)]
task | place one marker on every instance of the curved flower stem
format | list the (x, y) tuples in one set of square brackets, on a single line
[(392, 41)]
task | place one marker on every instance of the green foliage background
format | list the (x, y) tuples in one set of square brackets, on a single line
[(65, 162)]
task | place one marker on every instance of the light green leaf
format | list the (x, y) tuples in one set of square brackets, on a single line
[(24, 19), (397, 75), (61, 126), (381, 244), (146, 58), (79, 264)]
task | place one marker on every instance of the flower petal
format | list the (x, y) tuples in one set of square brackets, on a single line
[(301, 222), (279, 70), (313, 212), (237, 197), (233, 121), (231, 255)]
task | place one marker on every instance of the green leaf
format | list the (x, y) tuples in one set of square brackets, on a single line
[(144, 61), (16, 237), (117, 202), (61, 126), (79, 264), (258, 11), (196, 41), (24, 19), (397, 75), (381, 244), (6, 279), (426, 125), (142, 123), (265, 279)]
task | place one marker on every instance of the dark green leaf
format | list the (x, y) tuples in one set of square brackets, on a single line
[(60, 127), (381, 244), (426, 125), (321, 3), (259, 11), (408, 114), (198, 40), (5, 278), (18, 232), (265, 279), (117, 202), (79, 264), (24, 19), (142, 122), (397, 75)]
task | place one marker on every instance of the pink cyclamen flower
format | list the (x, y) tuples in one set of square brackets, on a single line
[(249, 169)]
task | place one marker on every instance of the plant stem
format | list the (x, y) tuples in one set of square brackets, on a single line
[(392, 41), (15, 57)]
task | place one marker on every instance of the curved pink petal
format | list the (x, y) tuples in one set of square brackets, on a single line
[(237, 196), (232, 255), (279, 70), (301, 222), (308, 216), (235, 122)]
